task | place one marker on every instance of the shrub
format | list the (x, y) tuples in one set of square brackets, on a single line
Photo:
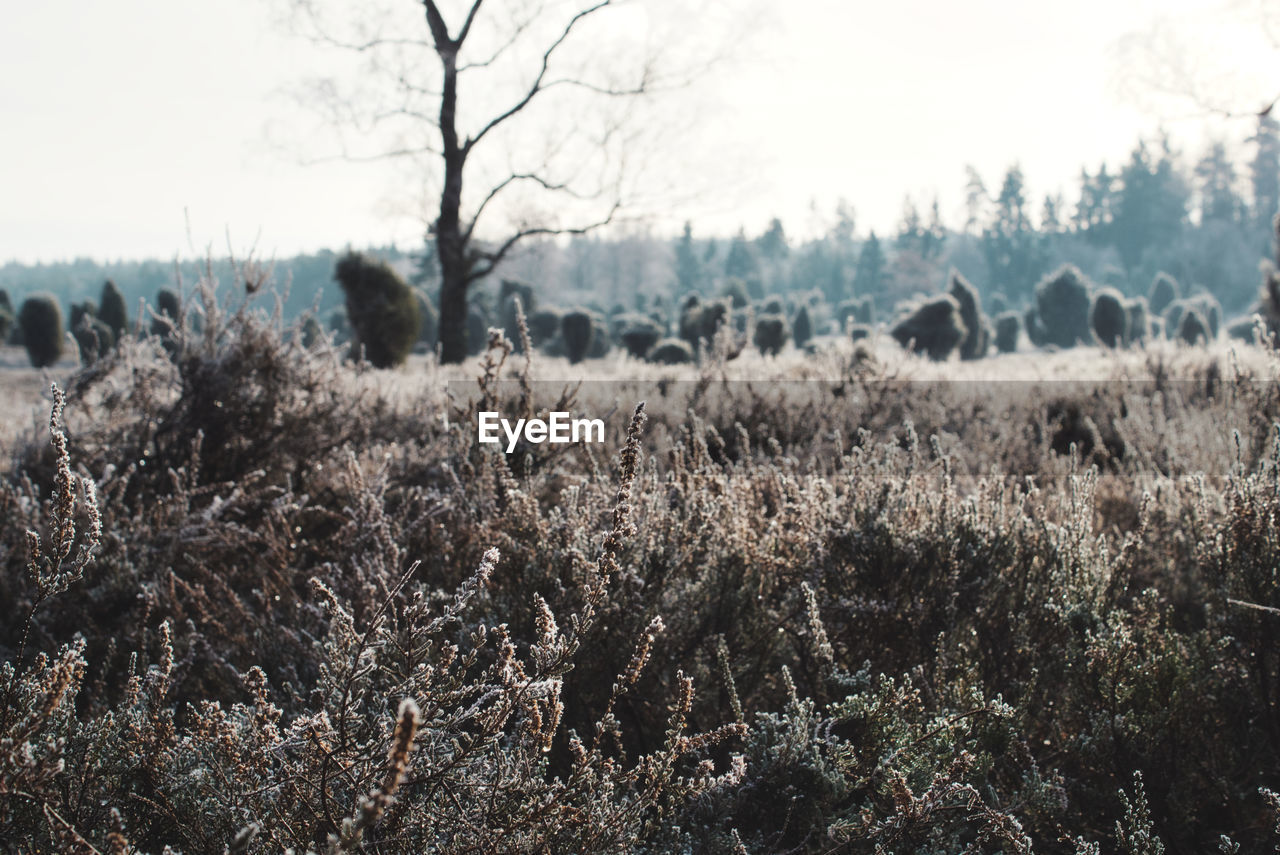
[(1062, 308), (1210, 312), (1192, 328), (671, 351), (381, 307), (858, 332), (1244, 329), (311, 332), (544, 326), (1164, 292), (93, 337), (771, 334), (40, 320), (1035, 330), (79, 311), (477, 329), (112, 309), (429, 330), (933, 327), (998, 304), (977, 337), (528, 300), (1109, 318), (700, 321), (577, 329), (801, 327), (1138, 319), (735, 291), (860, 310), (774, 306), (639, 334), (601, 340), (1008, 325)]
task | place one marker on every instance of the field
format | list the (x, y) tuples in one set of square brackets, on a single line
[(848, 601)]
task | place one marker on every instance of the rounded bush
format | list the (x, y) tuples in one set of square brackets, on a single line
[(1063, 304), (1008, 325), (977, 337), (801, 327), (1164, 292), (382, 308), (1109, 318), (40, 320), (639, 334), (94, 338), (577, 330), (1192, 328), (1138, 319), (771, 334), (112, 310), (933, 327), (671, 351)]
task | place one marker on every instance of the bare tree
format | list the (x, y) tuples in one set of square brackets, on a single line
[(550, 129), (1220, 63)]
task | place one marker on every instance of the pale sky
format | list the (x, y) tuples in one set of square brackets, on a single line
[(125, 122)]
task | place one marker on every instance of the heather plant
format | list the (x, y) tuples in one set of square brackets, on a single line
[(862, 614), (40, 322), (1109, 318), (112, 309), (977, 338), (933, 327), (1008, 327), (1062, 307), (382, 308)]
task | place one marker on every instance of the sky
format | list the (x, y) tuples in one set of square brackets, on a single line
[(151, 128)]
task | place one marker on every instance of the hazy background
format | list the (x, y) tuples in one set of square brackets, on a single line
[(121, 117)]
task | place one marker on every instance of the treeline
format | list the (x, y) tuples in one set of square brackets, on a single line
[(1206, 222)]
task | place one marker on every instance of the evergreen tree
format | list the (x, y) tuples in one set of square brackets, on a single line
[(1152, 205), (741, 261), (1216, 175), (869, 276), (976, 200), (1013, 249), (773, 243), (1265, 175), (688, 266)]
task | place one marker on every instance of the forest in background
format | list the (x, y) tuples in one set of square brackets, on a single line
[(1205, 221)]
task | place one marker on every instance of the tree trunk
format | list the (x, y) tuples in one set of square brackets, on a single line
[(455, 261)]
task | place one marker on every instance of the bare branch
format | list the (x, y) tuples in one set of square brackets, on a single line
[(466, 26), (484, 261), (520, 30), (537, 84), (530, 177)]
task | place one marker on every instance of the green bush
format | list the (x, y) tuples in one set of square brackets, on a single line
[(1110, 318), (801, 327), (638, 334), (1139, 322), (1164, 292), (577, 330), (671, 351), (40, 321), (93, 337), (381, 307), (112, 309), (771, 334), (1063, 303), (977, 338), (933, 327), (1008, 326), (1192, 327)]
